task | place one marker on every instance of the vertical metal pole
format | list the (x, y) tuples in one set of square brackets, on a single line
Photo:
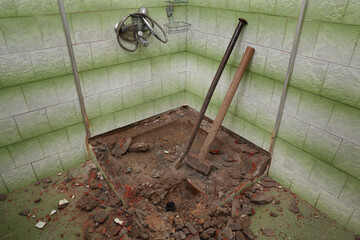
[(74, 68), (288, 74)]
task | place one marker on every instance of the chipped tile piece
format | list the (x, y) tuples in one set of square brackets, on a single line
[(40, 225)]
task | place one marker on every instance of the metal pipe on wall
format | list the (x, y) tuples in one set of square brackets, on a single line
[(74, 67), (289, 72)]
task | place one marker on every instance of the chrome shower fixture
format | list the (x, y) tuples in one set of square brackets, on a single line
[(136, 28)]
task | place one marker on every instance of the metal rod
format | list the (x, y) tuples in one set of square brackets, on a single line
[(215, 81), (289, 72), (74, 67)]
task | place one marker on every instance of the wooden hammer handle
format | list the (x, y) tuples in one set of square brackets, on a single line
[(226, 103)]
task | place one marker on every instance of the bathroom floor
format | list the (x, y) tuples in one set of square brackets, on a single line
[(144, 176)]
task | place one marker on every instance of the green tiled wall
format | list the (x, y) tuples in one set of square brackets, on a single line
[(41, 129), (317, 153)]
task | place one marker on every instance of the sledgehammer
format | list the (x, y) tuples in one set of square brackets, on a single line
[(199, 163)]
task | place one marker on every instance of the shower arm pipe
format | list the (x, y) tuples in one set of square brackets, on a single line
[(211, 90), (74, 67), (289, 72)]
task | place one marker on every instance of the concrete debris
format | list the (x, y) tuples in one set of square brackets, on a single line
[(249, 233), (139, 147), (101, 217), (180, 235), (24, 213), (261, 199), (227, 233), (208, 233), (294, 208), (52, 212), (191, 228), (276, 202), (37, 200), (118, 221), (274, 214), (268, 232), (63, 202), (195, 185), (69, 177), (87, 203), (47, 180), (40, 225), (3, 197), (237, 226), (121, 147)]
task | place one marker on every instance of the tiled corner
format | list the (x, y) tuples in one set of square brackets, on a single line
[(72, 157), (347, 159), (33, 124), (308, 35), (271, 31), (327, 11), (62, 115), (350, 194), (276, 64), (328, 47), (124, 117), (95, 81), (104, 53), (40, 94), (119, 76), (65, 88), (315, 110), (260, 6), (47, 167), (102, 124), (171, 46), (140, 71), (293, 130), (348, 90), (177, 100), (48, 63), (261, 88), (178, 62), (281, 174), (86, 27), (21, 34), (289, 8), (344, 122), (9, 132), (354, 222), (12, 102), (205, 68), (328, 178), (144, 111), (19, 177), (15, 69), (25, 152), (305, 189), (133, 95), (111, 101), (6, 162), (292, 98), (254, 134), (76, 134), (3, 48), (54, 142), (308, 74), (321, 144), (334, 207), (280, 150), (246, 108), (299, 161), (266, 117)]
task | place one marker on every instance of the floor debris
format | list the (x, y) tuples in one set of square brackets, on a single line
[(40, 225)]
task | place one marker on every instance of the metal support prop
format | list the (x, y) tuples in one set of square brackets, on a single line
[(288, 75), (74, 68), (212, 87)]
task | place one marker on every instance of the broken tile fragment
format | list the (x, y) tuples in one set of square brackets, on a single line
[(40, 225)]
